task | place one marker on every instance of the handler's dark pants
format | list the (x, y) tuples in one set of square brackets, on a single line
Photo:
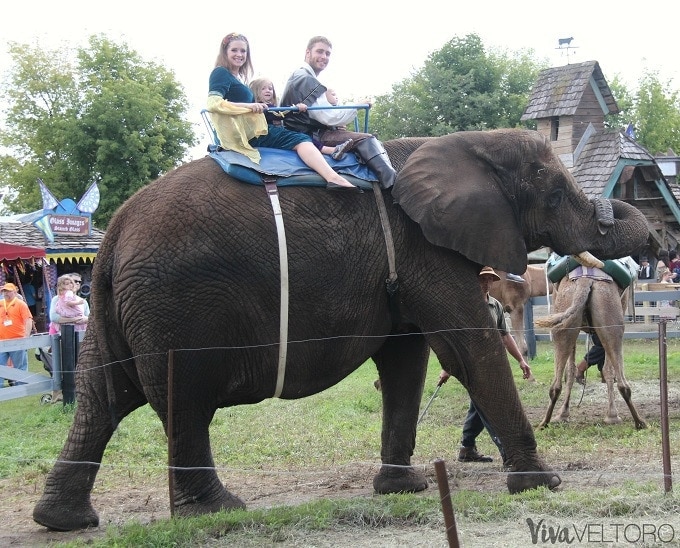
[(473, 426)]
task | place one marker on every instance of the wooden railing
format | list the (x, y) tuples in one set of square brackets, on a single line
[(650, 314)]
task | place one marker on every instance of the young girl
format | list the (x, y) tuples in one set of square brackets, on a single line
[(240, 123), (66, 304), (264, 92)]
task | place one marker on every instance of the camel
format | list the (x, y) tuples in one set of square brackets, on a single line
[(588, 304), (514, 296)]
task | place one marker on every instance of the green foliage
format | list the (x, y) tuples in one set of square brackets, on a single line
[(653, 109), (460, 87), (97, 114)]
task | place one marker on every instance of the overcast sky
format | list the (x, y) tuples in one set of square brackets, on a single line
[(373, 47)]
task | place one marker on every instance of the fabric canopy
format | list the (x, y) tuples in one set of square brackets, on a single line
[(12, 252)]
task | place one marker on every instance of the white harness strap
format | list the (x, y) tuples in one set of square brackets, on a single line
[(273, 194)]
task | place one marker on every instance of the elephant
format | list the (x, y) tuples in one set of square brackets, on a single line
[(190, 264), (514, 296), (592, 305)]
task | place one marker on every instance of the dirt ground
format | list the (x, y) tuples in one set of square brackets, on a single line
[(125, 499)]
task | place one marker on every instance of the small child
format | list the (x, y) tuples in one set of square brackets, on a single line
[(332, 97), (263, 90)]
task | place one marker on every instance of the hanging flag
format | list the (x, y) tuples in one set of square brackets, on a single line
[(630, 131), (90, 200), (49, 200), (44, 225)]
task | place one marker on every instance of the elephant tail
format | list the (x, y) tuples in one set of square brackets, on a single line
[(579, 299)]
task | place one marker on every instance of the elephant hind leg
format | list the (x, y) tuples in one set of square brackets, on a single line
[(65, 504), (197, 488)]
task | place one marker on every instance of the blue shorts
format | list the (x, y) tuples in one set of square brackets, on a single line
[(280, 137)]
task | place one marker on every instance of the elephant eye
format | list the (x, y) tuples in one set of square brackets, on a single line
[(555, 199)]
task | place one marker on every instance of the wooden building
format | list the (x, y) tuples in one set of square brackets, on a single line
[(569, 105)]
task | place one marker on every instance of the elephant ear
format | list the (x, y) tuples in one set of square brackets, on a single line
[(463, 198)]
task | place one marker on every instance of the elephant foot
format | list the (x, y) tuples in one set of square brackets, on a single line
[(523, 481), (193, 507), (399, 479), (62, 515)]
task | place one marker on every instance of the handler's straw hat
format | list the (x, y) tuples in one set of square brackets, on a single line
[(9, 287), (488, 271)]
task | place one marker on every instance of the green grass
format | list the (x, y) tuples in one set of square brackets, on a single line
[(341, 428)]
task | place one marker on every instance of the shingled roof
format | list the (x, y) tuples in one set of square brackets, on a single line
[(600, 156), (558, 91), (65, 247)]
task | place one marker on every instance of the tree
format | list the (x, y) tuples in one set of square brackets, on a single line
[(654, 111), (460, 87), (97, 114)]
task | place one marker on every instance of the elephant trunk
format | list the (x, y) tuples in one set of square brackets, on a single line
[(607, 235), (605, 215)]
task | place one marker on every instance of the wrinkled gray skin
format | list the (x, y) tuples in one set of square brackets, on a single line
[(593, 305), (191, 261)]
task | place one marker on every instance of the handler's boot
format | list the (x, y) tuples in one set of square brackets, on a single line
[(373, 154), (470, 454), (580, 372)]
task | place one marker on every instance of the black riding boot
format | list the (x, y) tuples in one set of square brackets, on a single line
[(372, 152)]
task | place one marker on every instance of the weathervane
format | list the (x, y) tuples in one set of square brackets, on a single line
[(565, 44)]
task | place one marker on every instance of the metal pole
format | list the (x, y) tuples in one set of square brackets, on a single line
[(663, 387), (68, 363), (171, 460), (447, 506)]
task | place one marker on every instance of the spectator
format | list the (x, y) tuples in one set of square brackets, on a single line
[(645, 272), (30, 295), (64, 282), (17, 323), (66, 307)]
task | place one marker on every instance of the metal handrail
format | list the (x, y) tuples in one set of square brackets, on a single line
[(363, 106)]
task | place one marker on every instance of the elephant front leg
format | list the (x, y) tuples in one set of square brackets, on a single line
[(402, 365)]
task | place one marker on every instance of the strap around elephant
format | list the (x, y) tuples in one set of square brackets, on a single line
[(392, 282), (273, 193)]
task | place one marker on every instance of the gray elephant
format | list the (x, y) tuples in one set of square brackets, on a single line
[(192, 262)]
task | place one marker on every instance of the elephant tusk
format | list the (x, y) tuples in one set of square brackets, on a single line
[(588, 259)]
